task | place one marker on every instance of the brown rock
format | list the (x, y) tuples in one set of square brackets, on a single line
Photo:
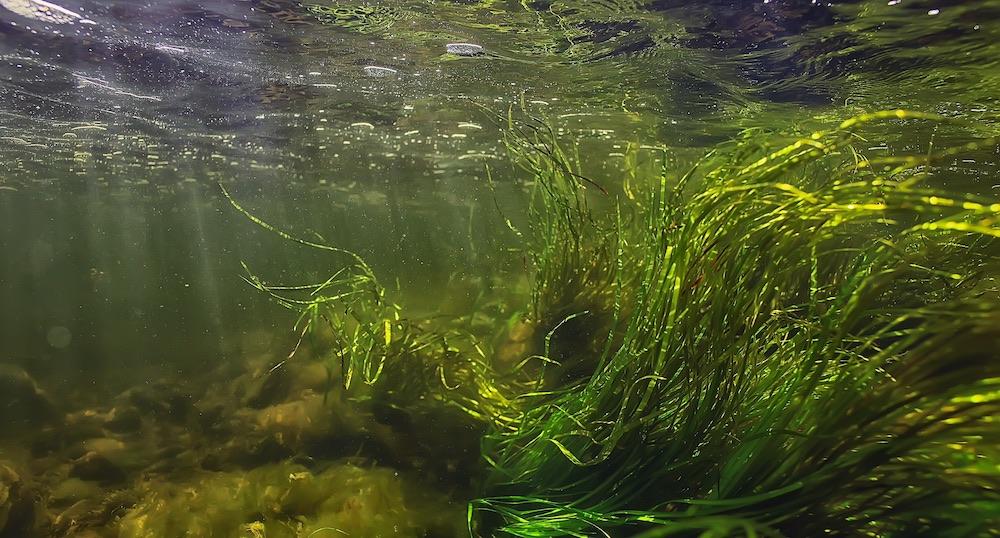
[(24, 404), (18, 516), (123, 419), (96, 467), (10, 483), (271, 387), (73, 490), (161, 401)]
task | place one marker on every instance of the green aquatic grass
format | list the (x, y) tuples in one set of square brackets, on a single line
[(804, 342), (573, 276), (413, 365), (809, 347), (787, 339)]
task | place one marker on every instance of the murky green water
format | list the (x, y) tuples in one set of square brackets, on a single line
[(145, 387)]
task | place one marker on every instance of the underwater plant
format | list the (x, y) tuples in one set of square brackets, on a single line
[(804, 342), (572, 260), (408, 364), (786, 339)]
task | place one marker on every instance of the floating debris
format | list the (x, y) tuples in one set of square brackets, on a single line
[(380, 72), (465, 49)]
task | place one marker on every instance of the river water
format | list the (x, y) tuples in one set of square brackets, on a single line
[(351, 123)]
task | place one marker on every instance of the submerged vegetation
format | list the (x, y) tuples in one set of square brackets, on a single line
[(694, 300), (804, 343), (786, 338)]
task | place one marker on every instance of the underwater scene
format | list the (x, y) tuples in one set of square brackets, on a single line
[(499, 268)]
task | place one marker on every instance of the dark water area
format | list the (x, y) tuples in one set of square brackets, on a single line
[(143, 378)]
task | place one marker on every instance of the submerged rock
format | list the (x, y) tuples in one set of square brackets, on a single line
[(160, 401), (24, 404), (17, 506), (287, 500), (73, 490), (268, 389), (82, 425), (95, 467), (91, 517), (123, 419), (9, 485), (247, 453), (464, 49), (291, 380), (517, 344)]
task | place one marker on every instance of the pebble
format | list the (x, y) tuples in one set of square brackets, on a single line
[(465, 49)]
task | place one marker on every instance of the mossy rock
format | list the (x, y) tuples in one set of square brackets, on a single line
[(18, 515), (25, 406), (9, 483), (286, 500)]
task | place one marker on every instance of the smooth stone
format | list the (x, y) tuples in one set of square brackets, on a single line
[(465, 49)]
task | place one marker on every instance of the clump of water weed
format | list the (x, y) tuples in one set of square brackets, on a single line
[(786, 339), (803, 342), (423, 377)]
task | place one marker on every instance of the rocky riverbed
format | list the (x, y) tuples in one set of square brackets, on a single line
[(252, 450)]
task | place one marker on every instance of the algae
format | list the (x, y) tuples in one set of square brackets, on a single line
[(288, 500)]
